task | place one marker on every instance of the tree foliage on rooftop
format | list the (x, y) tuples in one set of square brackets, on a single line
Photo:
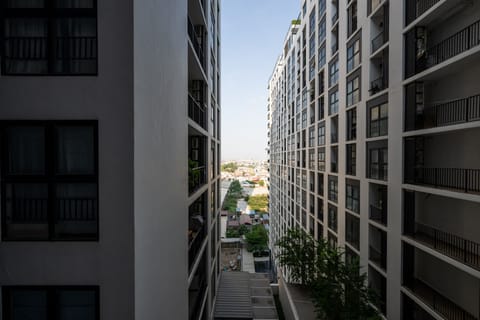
[(257, 239), (338, 288), (234, 193), (229, 167), (258, 203)]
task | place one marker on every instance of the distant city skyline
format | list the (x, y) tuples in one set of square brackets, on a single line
[(252, 34)]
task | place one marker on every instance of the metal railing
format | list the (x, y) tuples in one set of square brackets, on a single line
[(197, 112), (466, 180), (30, 210), (452, 112), (441, 304), (378, 41), (460, 249), (457, 43), (378, 85), (197, 177), (197, 45), (66, 209), (195, 244), (76, 209), (26, 48), (378, 214), (415, 8)]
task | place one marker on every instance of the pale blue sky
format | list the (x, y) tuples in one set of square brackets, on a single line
[(253, 32)]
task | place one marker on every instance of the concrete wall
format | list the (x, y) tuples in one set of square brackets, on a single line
[(107, 98), (160, 100)]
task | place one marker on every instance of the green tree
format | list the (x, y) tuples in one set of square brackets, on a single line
[(261, 183), (257, 238), (298, 252), (338, 288)]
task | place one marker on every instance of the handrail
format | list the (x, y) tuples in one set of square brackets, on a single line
[(378, 214), (378, 41), (466, 180), (197, 112), (452, 112), (459, 248)]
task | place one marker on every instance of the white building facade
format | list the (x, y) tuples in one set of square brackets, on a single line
[(110, 159), (373, 115)]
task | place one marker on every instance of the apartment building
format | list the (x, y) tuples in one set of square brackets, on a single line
[(110, 149), (374, 145)]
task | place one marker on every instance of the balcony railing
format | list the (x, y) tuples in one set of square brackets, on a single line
[(441, 304), (197, 177), (378, 41), (451, 112), (195, 244), (378, 257), (415, 8), (378, 214), (197, 45), (378, 85), (466, 180), (197, 112), (460, 249), (459, 42)]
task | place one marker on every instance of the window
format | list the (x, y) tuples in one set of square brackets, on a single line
[(334, 159), (49, 180), (322, 56), (44, 37), (311, 136), (353, 55), (321, 7), (321, 108), (320, 209), (332, 217), (322, 30), (333, 72), (304, 119), (33, 302), (353, 91), (334, 130), (351, 124), (352, 230), (333, 103), (321, 134), (334, 40), (378, 116), (333, 188), (312, 22), (353, 195), (351, 159), (352, 18), (311, 159), (320, 183), (377, 161), (321, 159)]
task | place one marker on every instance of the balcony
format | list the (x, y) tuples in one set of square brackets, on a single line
[(412, 311), (453, 170), (378, 85), (450, 292), (420, 56), (197, 169), (428, 220), (415, 8), (441, 114), (197, 228), (197, 112), (378, 214), (197, 38), (458, 248), (378, 247), (465, 180), (198, 290)]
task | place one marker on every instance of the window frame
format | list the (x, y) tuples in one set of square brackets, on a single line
[(51, 292), (50, 178), (50, 13)]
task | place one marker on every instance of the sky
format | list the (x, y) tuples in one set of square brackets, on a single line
[(252, 36)]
